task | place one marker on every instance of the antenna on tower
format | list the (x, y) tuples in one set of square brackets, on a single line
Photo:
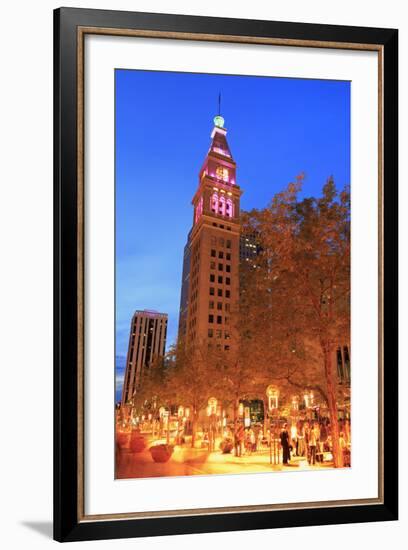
[(219, 104)]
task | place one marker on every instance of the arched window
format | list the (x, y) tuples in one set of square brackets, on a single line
[(221, 206), (229, 208), (214, 203), (199, 209)]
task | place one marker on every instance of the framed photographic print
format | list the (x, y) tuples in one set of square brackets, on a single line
[(225, 274)]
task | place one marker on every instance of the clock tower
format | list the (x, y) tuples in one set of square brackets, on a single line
[(214, 245)]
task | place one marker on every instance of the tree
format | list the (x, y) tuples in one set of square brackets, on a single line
[(296, 291)]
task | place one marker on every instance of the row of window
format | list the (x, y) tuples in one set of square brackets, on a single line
[(221, 226), (220, 279), (218, 318), (219, 305), (221, 267), (220, 292), (218, 334), (220, 253), (221, 242)]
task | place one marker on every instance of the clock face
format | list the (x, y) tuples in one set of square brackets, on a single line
[(219, 121)]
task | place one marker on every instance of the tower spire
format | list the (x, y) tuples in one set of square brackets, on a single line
[(218, 119)]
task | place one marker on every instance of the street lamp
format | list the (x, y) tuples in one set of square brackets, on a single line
[(211, 413), (272, 393)]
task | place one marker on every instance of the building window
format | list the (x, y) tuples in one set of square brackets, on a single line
[(220, 279), (229, 229), (199, 209), (227, 280), (227, 335), (212, 265), (219, 305), (219, 292), (214, 202), (221, 241), (219, 319), (228, 268), (210, 333), (219, 333), (212, 253), (211, 291), (228, 243), (227, 294), (221, 254), (211, 305), (211, 318), (212, 278), (228, 256), (229, 208), (220, 267), (226, 348)]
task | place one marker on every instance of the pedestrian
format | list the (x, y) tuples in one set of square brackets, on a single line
[(301, 443), (284, 438), (239, 438), (312, 445)]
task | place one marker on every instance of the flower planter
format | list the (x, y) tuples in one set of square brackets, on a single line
[(161, 453), (226, 447), (122, 439), (137, 443)]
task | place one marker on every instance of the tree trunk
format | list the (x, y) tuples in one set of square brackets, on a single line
[(235, 410), (332, 404), (193, 428)]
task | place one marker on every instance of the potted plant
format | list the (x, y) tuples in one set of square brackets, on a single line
[(162, 452), (226, 445), (122, 439), (137, 442)]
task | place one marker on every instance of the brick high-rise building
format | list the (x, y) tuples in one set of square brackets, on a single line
[(214, 246), (147, 341)]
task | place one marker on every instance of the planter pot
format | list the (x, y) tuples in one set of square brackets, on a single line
[(137, 443), (226, 447), (122, 439), (161, 453)]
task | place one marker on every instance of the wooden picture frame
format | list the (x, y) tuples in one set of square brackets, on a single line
[(70, 27)]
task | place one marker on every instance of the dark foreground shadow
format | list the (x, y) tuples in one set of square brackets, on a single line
[(44, 528)]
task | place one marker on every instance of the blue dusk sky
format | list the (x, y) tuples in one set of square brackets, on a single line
[(277, 128)]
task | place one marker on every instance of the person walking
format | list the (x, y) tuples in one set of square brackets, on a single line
[(284, 438), (312, 445), (301, 447), (239, 439)]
